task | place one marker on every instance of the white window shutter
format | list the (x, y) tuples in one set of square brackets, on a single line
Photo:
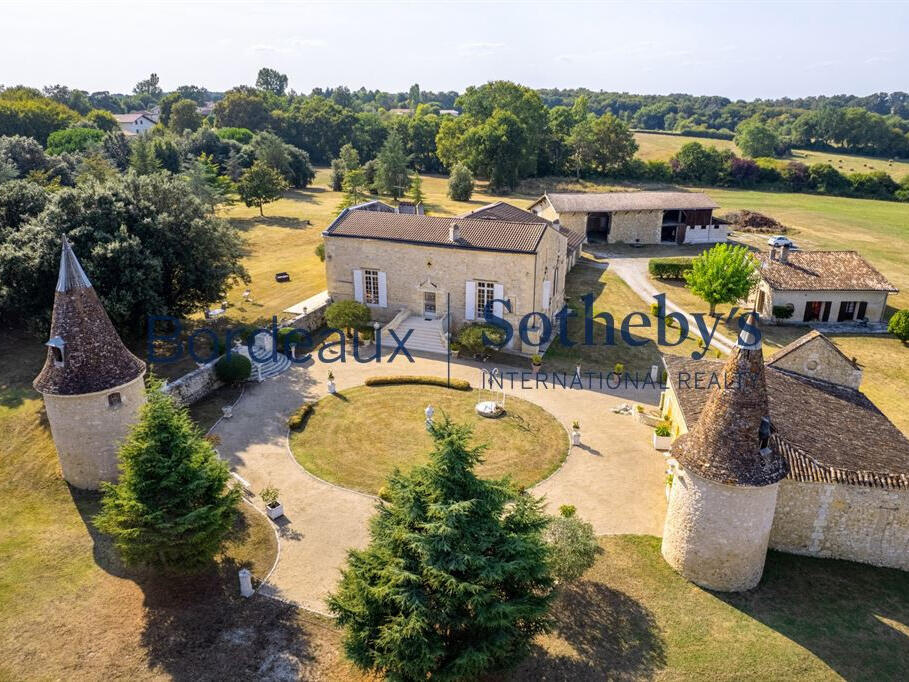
[(547, 294), (358, 285), (470, 300), (498, 291), (383, 291)]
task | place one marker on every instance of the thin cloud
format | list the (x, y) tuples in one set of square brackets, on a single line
[(287, 47), (479, 49)]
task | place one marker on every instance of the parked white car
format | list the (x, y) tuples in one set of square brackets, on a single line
[(780, 240)]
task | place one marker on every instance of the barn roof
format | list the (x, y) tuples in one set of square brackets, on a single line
[(823, 271), (586, 202)]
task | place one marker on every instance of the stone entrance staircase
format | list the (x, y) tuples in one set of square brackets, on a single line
[(426, 336)]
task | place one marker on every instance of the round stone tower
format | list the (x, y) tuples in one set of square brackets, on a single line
[(92, 385), (724, 490)]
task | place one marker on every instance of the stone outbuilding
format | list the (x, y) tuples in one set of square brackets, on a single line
[(92, 385), (826, 287), (635, 217), (846, 491), (725, 480), (434, 274)]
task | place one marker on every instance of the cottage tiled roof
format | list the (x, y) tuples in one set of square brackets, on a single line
[(475, 233), (825, 432), (801, 341), (503, 211), (823, 271), (132, 117), (94, 357), (585, 202), (724, 444)]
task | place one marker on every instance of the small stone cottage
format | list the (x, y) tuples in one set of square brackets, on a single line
[(434, 274), (635, 217), (842, 491), (820, 286)]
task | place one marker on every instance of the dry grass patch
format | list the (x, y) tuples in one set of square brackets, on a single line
[(356, 438)]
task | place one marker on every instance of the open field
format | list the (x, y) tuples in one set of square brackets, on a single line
[(342, 444), (654, 146)]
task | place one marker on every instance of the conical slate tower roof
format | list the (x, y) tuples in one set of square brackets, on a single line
[(94, 357), (725, 443)]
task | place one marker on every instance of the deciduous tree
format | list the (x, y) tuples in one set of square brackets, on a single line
[(392, 176), (271, 80), (261, 184), (183, 116), (460, 184), (724, 274)]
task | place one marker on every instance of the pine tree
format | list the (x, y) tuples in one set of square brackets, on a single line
[(455, 581), (142, 159), (416, 189), (172, 507)]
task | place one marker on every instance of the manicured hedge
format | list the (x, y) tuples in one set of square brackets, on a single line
[(233, 368), (297, 420), (669, 268), (783, 312), (457, 384)]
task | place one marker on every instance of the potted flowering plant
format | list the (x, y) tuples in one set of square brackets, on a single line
[(575, 432), (273, 506), (536, 362), (662, 436), (331, 382)]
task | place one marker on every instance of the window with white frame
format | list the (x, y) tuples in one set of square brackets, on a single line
[(485, 294), (371, 286)]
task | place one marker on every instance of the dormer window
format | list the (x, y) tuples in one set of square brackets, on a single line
[(114, 400), (57, 348)]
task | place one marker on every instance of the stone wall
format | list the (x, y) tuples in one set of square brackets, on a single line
[(410, 269), (716, 535), (195, 385), (87, 431), (819, 359), (877, 302), (859, 523), (635, 227)]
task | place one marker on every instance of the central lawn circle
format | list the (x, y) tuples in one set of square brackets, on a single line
[(358, 437)]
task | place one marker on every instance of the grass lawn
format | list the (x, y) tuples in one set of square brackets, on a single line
[(70, 610), (661, 147), (349, 439), (615, 297), (633, 617)]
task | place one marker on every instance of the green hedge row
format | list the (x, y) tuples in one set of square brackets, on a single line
[(669, 268), (457, 384)]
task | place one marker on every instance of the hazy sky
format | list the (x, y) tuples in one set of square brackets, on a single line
[(740, 50)]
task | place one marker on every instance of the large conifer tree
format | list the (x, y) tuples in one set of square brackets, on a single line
[(455, 581), (172, 507)]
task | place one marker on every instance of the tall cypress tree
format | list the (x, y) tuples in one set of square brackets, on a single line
[(455, 581), (172, 507)]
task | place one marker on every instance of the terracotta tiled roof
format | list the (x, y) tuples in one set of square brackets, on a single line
[(823, 271), (94, 357), (826, 432), (503, 211), (724, 444), (480, 234), (584, 202), (801, 341)]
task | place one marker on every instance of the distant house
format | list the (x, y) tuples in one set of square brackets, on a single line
[(820, 286), (404, 207), (636, 217), (136, 123), (449, 112), (499, 210), (433, 274)]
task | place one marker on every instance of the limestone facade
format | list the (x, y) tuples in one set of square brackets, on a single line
[(532, 282), (716, 535), (819, 359), (768, 297), (851, 522), (87, 430)]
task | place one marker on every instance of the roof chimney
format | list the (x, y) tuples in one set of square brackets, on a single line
[(454, 232), (784, 254)]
